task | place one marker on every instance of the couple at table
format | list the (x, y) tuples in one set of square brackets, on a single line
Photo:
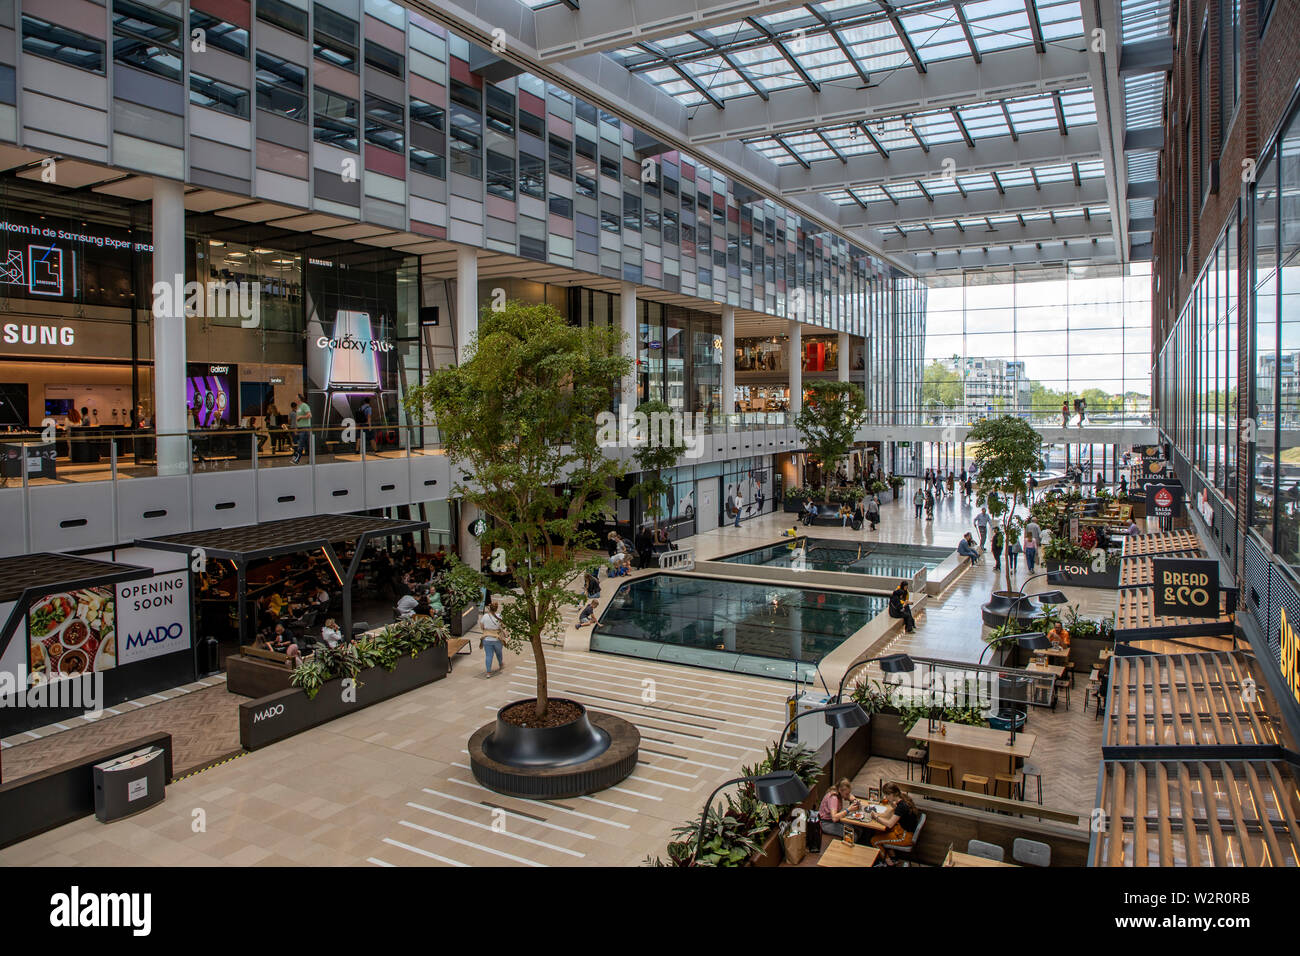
[(898, 819)]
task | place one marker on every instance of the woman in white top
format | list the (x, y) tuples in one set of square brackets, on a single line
[(330, 633), (491, 642)]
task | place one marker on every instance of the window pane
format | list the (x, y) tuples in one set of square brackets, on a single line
[(63, 45), (216, 95), (335, 119), (283, 15), (219, 34)]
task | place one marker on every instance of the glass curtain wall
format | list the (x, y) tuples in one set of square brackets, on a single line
[(1009, 343)]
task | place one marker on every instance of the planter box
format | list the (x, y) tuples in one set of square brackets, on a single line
[(462, 623), (887, 737), (1083, 576), (288, 712)]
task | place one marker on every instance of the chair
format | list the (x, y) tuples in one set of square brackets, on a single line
[(1064, 685), (975, 780), (1032, 770), (985, 851), (916, 838), (935, 766), (1014, 782), (915, 759), (1031, 852)]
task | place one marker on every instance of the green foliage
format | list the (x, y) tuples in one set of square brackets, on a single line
[(460, 585), (523, 414), (1007, 451), (831, 414), (798, 495), (896, 482), (941, 385), (1062, 549), (382, 649)]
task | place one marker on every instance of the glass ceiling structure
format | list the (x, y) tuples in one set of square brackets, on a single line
[(980, 118)]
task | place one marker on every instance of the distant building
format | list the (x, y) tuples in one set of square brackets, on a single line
[(996, 384)]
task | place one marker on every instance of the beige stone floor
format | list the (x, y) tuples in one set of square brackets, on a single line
[(390, 785)]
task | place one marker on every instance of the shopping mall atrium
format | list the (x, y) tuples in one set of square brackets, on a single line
[(525, 433)]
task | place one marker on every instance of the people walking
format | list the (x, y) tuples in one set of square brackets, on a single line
[(982, 525), (1013, 552), (492, 646), (951, 480), (1031, 552), (929, 506), (1065, 413), (737, 504), (1033, 530), (996, 546), (873, 511), (918, 500)]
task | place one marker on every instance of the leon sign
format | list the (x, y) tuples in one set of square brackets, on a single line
[(1186, 587)]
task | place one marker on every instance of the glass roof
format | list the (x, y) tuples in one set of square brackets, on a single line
[(969, 182), (985, 224), (841, 41)]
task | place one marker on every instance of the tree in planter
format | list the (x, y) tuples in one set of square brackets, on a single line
[(1007, 451), (521, 415), (831, 415), (657, 450)]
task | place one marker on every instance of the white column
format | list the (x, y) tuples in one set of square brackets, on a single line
[(466, 299), (728, 405), (169, 399), (794, 361), (844, 356), (466, 327), (627, 324)]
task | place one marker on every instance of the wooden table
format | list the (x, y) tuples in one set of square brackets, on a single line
[(1056, 670), (978, 750), (965, 859), (866, 823), (1053, 652), (840, 853)]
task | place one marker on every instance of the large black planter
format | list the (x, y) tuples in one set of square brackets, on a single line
[(591, 753), (561, 746), (1009, 604)]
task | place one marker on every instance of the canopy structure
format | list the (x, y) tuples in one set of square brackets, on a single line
[(1196, 770), (27, 577), (269, 539)]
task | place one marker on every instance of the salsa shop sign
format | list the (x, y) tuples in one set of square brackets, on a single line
[(1186, 587), (1164, 501)]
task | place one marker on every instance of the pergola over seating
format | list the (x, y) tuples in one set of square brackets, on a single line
[(273, 539), (26, 578)]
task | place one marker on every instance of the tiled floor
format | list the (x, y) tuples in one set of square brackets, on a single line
[(390, 785)]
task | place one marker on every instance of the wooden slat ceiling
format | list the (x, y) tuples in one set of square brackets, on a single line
[(1190, 699), (1199, 813), (1139, 570), (1163, 542)]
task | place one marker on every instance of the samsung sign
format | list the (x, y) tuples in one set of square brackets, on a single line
[(153, 617)]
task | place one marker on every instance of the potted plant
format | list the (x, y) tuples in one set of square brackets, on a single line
[(1007, 452), (828, 422), (895, 484), (526, 412), (461, 588), (795, 498)]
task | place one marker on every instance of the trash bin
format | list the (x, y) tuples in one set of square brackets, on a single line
[(211, 655), (130, 783)]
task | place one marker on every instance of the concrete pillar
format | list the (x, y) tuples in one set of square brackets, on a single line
[(794, 361), (628, 326), (844, 357), (466, 327), (169, 397), (728, 404), (466, 299)]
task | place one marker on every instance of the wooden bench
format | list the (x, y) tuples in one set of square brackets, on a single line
[(457, 645), (257, 673), (261, 653)]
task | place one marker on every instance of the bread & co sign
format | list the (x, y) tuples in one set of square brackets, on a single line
[(1186, 587)]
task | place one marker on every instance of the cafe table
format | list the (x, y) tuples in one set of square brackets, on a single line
[(1056, 670), (1061, 652), (840, 853), (977, 750), (862, 820), (965, 859)]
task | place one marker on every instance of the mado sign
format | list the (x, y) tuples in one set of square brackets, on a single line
[(1186, 587), (153, 617)]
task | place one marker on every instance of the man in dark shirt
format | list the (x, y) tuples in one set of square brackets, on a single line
[(645, 544), (900, 606)]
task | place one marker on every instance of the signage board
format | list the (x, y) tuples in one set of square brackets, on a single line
[(1290, 654), (1186, 587), (153, 617), (1164, 501)]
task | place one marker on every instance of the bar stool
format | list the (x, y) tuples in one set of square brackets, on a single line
[(975, 780), (1064, 685), (935, 766), (1015, 785), (916, 762), (1031, 770)]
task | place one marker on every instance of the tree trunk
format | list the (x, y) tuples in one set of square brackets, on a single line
[(539, 661)]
